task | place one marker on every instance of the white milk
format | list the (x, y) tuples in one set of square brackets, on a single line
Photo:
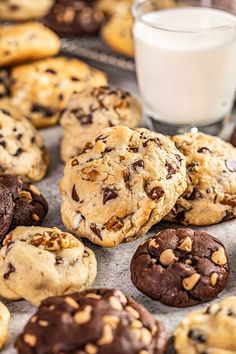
[(187, 77)]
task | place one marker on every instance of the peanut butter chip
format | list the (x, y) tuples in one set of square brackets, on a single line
[(71, 302), (30, 339), (35, 217), (115, 303), (133, 311), (143, 335), (33, 319), (34, 189), (90, 349), (167, 257), (26, 196), (214, 277), (83, 316), (93, 296), (219, 257), (107, 335), (186, 244), (190, 282), (43, 323), (143, 352), (153, 243), (111, 320)]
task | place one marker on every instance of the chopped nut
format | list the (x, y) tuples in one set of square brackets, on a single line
[(35, 217), (136, 324), (121, 297), (146, 336), (190, 282), (214, 278), (107, 335), (71, 302), (33, 319), (34, 189), (54, 240), (52, 308), (188, 261), (133, 311), (186, 244), (90, 349), (43, 323), (167, 257), (83, 316), (114, 223), (219, 257), (93, 296), (153, 243), (115, 303), (26, 196), (30, 339)]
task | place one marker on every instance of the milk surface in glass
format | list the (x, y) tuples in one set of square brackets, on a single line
[(186, 64)]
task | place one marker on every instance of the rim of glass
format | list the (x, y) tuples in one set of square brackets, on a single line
[(138, 4)]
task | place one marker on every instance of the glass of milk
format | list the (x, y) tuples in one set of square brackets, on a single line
[(186, 62)]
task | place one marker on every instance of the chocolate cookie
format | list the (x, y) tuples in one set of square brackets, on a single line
[(29, 205), (180, 267), (97, 321), (74, 17), (233, 138), (6, 210)]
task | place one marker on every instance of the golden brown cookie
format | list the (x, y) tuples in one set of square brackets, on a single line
[(21, 10)]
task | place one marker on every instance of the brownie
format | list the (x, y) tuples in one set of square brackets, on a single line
[(180, 267), (96, 321), (74, 17)]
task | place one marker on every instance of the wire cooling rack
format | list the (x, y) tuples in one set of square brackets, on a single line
[(94, 49)]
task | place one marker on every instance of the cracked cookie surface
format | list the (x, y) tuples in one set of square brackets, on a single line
[(42, 89), (210, 330), (94, 109), (180, 267), (15, 10), (123, 183), (22, 150), (27, 41), (211, 176), (98, 321), (59, 264)]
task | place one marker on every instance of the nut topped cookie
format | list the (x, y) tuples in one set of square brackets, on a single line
[(4, 320), (15, 10), (94, 109), (74, 17), (42, 89), (211, 175), (121, 184), (100, 321), (27, 41), (210, 330), (22, 150), (180, 267), (59, 264)]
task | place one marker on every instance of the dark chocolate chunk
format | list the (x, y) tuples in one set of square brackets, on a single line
[(74, 194), (10, 269), (171, 170), (138, 164), (108, 194), (95, 229), (156, 193), (204, 150)]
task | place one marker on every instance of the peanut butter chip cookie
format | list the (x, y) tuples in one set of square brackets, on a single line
[(121, 184), (42, 89), (94, 109), (22, 150), (28, 41), (211, 175), (211, 330), (59, 264), (180, 267), (96, 321), (15, 10), (4, 320)]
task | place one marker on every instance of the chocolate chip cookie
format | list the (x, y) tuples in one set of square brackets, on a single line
[(30, 206), (27, 41), (74, 17), (22, 150), (59, 264), (233, 138), (15, 10), (180, 267), (211, 175), (4, 320), (6, 210), (42, 89), (94, 109), (117, 32), (211, 330), (97, 321), (121, 184)]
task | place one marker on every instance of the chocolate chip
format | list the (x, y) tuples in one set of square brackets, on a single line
[(48, 112), (5, 111), (74, 163), (109, 194), (74, 78), (139, 163), (101, 138), (18, 152), (33, 139), (19, 136), (191, 167), (195, 195), (204, 150), (74, 194), (197, 336), (170, 169), (97, 232), (50, 71), (3, 144), (231, 165), (11, 269), (86, 119), (59, 260), (155, 140), (13, 7), (156, 193)]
